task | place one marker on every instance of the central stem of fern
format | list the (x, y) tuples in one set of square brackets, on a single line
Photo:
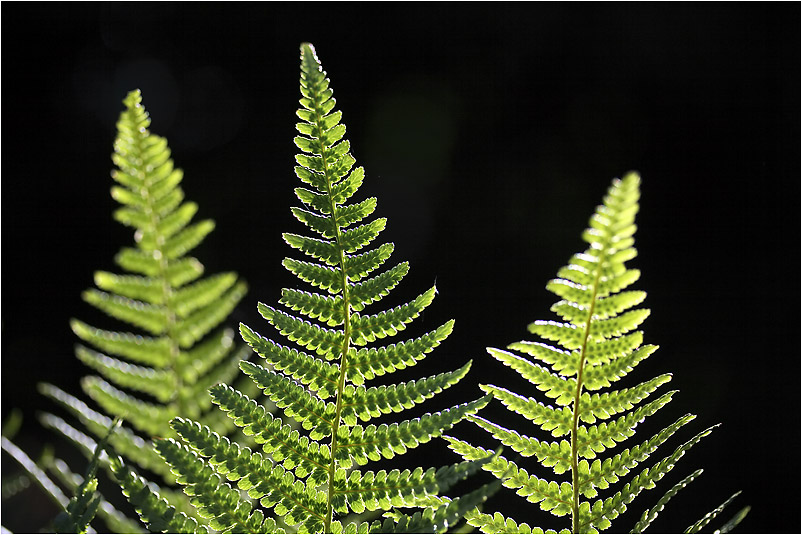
[(167, 288), (577, 399), (346, 317)]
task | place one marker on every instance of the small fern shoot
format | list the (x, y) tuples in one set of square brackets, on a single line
[(597, 344), (178, 351), (310, 476)]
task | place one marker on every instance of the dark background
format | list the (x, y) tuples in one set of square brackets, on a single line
[(489, 132)]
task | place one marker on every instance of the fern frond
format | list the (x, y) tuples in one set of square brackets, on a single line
[(318, 375), (318, 380), (37, 474), (552, 496), (601, 474), (368, 363), (552, 384), (359, 491), (498, 523), (151, 418), (312, 413), (733, 522), (176, 350), (596, 343), (141, 349), (554, 455), (285, 445), (160, 384), (596, 438), (558, 421)]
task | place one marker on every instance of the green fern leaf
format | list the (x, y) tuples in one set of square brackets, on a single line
[(705, 520), (596, 344), (602, 512), (114, 519), (367, 403), (735, 520), (272, 485), (144, 350), (124, 441), (149, 417), (84, 505), (296, 452), (160, 384), (368, 363), (318, 375), (302, 472), (602, 474), (217, 502), (155, 512), (649, 515), (372, 443), (148, 378), (498, 523), (437, 518), (555, 455), (313, 414)]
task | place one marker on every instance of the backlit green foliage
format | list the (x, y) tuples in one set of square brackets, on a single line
[(83, 506), (308, 468), (177, 350), (597, 344)]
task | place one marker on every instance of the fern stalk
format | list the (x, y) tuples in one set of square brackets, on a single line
[(312, 67), (158, 251), (577, 401)]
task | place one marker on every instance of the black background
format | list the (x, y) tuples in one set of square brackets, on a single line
[(489, 132)]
